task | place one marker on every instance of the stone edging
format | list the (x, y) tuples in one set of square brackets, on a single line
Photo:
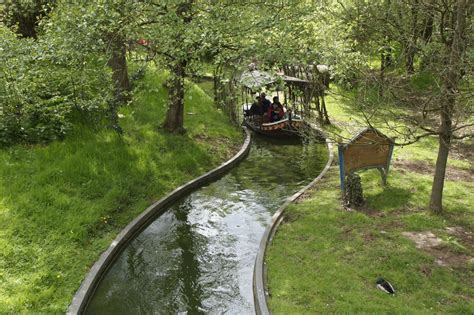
[(100, 267), (259, 273)]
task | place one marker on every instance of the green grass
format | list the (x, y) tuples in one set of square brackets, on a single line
[(62, 204), (207, 86), (325, 259)]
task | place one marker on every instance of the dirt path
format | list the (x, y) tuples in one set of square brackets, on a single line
[(421, 167)]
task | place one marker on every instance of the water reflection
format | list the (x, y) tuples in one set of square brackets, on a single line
[(188, 271), (198, 257)]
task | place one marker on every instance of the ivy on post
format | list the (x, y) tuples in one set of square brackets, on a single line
[(368, 149)]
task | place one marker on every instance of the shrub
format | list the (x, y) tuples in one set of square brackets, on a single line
[(38, 90)]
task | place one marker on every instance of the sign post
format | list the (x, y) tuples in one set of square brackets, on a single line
[(367, 149)]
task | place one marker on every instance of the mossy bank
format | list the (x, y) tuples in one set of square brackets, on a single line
[(62, 204)]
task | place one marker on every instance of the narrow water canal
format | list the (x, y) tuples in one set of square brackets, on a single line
[(198, 257)]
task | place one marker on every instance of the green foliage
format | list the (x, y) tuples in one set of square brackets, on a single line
[(23, 16), (64, 71), (38, 90), (80, 29), (346, 113)]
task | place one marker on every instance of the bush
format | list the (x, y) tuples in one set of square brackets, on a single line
[(38, 90)]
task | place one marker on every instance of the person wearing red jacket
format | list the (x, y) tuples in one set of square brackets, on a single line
[(275, 111)]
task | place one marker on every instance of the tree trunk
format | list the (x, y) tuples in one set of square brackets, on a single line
[(113, 116), (174, 121), (436, 199), (410, 59), (25, 15), (118, 62), (428, 26), (382, 74), (217, 85), (385, 62), (27, 26), (215, 81), (412, 41), (455, 50), (318, 109), (325, 111)]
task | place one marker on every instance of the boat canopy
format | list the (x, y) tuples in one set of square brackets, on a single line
[(256, 79)]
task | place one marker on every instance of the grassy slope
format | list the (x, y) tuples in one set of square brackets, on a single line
[(325, 259), (62, 204)]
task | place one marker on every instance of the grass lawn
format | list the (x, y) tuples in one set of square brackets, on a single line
[(326, 259), (62, 204)]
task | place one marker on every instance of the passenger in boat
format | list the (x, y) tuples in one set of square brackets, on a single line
[(276, 111), (266, 105), (256, 110)]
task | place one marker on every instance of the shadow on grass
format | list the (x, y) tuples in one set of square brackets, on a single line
[(391, 198), (82, 187)]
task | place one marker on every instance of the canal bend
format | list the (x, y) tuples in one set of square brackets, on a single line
[(198, 257)]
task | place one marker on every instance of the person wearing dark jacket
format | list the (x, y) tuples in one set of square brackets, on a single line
[(257, 109), (266, 103)]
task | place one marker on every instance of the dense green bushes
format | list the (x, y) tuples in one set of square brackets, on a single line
[(40, 88)]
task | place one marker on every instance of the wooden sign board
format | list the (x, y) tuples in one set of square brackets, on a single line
[(368, 149)]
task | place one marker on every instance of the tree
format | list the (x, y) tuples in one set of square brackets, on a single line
[(184, 32), (446, 36), (174, 121), (101, 28), (455, 36), (24, 15), (40, 86), (76, 63)]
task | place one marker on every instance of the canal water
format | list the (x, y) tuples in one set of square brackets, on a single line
[(198, 257)]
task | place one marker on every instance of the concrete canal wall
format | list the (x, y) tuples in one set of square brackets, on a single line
[(259, 277), (100, 267)]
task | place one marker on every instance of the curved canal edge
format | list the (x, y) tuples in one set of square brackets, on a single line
[(100, 267), (260, 293)]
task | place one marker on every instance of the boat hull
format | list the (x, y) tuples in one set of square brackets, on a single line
[(283, 129)]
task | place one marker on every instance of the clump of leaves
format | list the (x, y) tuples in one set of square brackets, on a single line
[(353, 195), (38, 90)]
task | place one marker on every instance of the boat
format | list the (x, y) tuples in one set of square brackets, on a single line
[(282, 129), (292, 125)]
